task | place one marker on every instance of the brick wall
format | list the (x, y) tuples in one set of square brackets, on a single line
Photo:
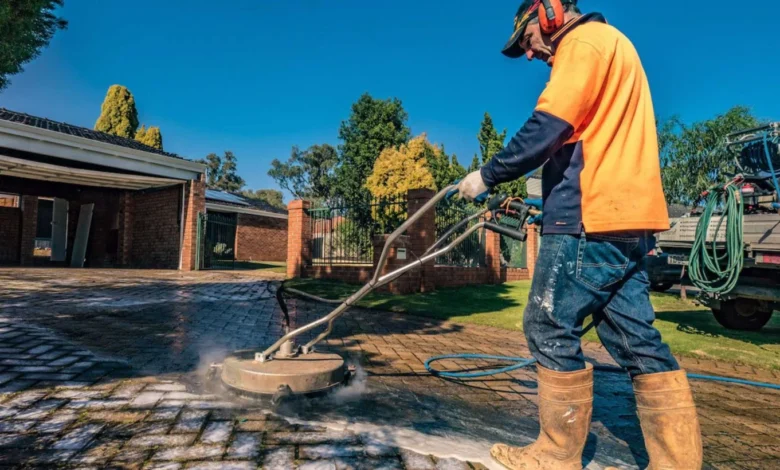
[(155, 237), (422, 234), (515, 274), (125, 235), (261, 238), (533, 243), (455, 276), (298, 238), (350, 274), (195, 204), (103, 233), (10, 232), (29, 206)]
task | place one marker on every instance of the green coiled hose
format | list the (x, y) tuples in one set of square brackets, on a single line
[(712, 268)]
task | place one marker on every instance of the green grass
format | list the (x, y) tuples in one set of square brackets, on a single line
[(689, 330), (272, 266)]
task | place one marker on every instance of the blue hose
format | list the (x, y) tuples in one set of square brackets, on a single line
[(524, 362), (521, 362)]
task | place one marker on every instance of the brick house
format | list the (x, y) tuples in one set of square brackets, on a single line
[(260, 229), (77, 197)]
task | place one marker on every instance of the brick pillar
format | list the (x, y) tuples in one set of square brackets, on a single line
[(493, 256), (422, 234), (409, 283), (125, 228), (532, 248), (194, 204), (29, 208), (298, 238)]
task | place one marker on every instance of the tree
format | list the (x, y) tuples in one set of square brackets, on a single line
[(118, 115), (373, 126), (228, 178), (140, 134), (456, 168), (221, 172), (271, 196), (153, 138), (474, 164), (490, 143), (26, 27), (213, 169), (445, 169), (307, 174), (398, 170), (693, 157)]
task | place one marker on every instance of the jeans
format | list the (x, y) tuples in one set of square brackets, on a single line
[(603, 276)]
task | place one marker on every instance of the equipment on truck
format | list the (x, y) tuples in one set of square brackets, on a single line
[(730, 249)]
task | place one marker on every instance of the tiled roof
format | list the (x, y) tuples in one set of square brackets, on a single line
[(64, 128), (230, 199)]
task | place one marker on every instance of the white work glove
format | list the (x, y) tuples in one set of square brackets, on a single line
[(472, 186)]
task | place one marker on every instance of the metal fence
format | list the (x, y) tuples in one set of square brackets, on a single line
[(470, 253), (216, 240), (514, 253), (342, 232)]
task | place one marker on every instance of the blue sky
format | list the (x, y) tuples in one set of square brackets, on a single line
[(258, 76)]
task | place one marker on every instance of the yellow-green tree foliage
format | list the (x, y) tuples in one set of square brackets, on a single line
[(151, 137), (154, 137), (140, 135), (118, 115), (398, 170)]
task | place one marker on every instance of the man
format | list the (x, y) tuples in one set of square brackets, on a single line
[(594, 131)]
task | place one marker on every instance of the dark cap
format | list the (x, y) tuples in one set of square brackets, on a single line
[(528, 11)]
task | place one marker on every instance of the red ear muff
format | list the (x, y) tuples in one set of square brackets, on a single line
[(551, 16)]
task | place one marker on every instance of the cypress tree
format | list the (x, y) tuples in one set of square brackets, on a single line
[(150, 136), (154, 138), (474, 164), (140, 135), (118, 115)]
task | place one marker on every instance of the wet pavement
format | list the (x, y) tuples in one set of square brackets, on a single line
[(107, 368)]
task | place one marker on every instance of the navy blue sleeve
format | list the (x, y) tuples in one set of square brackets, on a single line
[(541, 136)]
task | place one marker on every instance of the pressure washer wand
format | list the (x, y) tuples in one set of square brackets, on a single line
[(497, 205), (376, 281)]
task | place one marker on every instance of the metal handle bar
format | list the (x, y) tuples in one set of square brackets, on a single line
[(351, 300), (374, 283), (404, 226), (377, 280)]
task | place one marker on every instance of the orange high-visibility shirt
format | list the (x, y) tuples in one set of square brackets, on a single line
[(594, 130)]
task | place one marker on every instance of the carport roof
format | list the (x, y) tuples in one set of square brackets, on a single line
[(65, 128), (41, 139), (46, 172)]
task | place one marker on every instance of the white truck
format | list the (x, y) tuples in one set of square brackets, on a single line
[(751, 303)]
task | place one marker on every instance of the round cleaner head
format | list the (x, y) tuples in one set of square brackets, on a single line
[(299, 375)]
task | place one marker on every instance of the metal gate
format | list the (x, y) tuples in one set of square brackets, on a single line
[(216, 240)]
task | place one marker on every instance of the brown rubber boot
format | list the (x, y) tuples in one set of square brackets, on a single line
[(664, 402), (565, 407)]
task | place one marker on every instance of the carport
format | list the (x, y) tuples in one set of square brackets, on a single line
[(77, 197)]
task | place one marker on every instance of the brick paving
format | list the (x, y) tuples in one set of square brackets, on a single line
[(105, 369)]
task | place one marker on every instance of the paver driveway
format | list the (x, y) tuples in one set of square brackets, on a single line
[(105, 368)]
